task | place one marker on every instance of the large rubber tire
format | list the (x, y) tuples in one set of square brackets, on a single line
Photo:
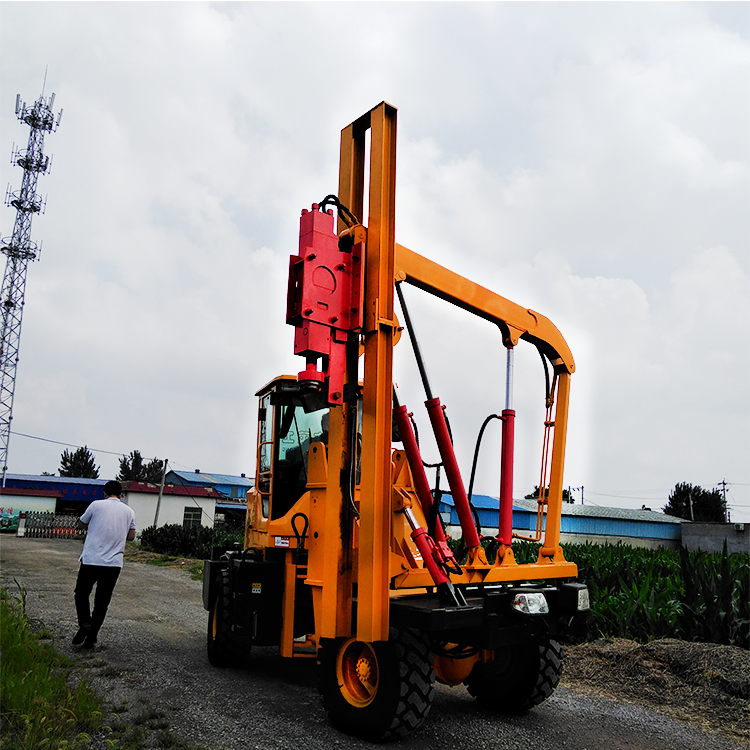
[(518, 678), (377, 691), (222, 649)]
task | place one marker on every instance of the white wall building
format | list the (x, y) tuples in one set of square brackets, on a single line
[(186, 506)]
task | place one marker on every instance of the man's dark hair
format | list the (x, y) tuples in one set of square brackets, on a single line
[(112, 487)]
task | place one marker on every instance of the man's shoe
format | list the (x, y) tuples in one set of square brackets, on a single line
[(90, 641), (80, 636)]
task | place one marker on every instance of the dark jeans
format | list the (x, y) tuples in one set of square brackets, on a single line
[(105, 579)]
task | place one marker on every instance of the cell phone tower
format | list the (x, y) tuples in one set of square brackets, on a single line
[(19, 250)]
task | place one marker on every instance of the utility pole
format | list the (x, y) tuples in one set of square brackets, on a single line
[(161, 492), (19, 250)]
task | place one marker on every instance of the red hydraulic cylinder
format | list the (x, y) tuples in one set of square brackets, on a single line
[(448, 457), (505, 529), (414, 458), (427, 549)]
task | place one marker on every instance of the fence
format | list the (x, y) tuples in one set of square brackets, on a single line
[(48, 525)]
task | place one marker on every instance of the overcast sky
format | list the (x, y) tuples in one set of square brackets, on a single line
[(589, 161)]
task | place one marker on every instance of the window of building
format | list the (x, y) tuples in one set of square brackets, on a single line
[(192, 517)]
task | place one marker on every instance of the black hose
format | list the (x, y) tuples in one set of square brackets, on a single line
[(547, 391), (344, 213), (474, 470)]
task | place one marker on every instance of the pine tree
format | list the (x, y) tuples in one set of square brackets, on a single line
[(79, 463), (133, 469)]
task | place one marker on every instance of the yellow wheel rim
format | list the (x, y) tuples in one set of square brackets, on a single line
[(357, 672), (215, 620)]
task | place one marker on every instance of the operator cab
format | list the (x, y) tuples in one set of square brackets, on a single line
[(292, 414)]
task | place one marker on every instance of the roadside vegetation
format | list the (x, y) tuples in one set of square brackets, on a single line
[(645, 594), (45, 700), (179, 541)]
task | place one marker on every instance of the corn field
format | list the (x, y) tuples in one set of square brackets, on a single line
[(645, 594)]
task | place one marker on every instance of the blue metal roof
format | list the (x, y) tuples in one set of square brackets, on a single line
[(43, 478), (577, 519), (203, 478), (72, 489)]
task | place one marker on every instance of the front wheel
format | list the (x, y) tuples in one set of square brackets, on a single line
[(220, 643), (517, 678), (377, 691)]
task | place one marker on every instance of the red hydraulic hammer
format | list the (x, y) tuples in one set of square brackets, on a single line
[(324, 299)]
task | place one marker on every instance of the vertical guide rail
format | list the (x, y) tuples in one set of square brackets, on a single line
[(378, 327), (554, 501)]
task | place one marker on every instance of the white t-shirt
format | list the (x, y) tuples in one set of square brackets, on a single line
[(109, 522)]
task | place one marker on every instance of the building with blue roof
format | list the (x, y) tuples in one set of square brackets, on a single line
[(578, 523), (75, 493), (229, 486)]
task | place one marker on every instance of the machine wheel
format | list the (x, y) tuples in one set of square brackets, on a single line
[(222, 650), (377, 691), (517, 678)]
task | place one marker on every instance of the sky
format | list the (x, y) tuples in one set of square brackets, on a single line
[(586, 160)]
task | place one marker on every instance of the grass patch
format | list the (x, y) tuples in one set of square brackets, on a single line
[(45, 701), (169, 741), (125, 737), (136, 553), (153, 718), (165, 560)]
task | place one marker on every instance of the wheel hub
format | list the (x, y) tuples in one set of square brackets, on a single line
[(357, 672)]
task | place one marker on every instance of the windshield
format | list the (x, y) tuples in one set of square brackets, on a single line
[(297, 430)]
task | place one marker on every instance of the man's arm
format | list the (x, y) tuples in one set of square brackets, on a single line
[(131, 535)]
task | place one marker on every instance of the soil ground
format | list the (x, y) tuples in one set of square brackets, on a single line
[(701, 683)]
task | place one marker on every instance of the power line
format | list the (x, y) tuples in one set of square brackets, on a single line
[(95, 450), (72, 445)]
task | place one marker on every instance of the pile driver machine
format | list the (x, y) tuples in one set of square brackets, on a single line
[(345, 556)]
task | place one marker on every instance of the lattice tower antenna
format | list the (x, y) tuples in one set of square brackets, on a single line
[(19, 250)]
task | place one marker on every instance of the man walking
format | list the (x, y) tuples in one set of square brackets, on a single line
[(110, 524)]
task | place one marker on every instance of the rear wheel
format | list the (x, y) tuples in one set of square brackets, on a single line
[(377, 691), (221, 646), (517, 678)]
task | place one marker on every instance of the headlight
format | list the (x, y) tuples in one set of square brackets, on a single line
[(533, 603), (583, 600)]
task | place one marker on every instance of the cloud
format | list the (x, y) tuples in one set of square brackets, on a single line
[(587, 161)]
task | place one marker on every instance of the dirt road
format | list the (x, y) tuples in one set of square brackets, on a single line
[(151, 657)]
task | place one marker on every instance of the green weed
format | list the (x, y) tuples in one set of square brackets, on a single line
[(44, 704)]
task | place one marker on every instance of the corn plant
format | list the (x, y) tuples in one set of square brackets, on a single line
[(645, 593)]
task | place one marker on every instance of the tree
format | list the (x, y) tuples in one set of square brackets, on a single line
[(534, 494), (133, 469), (693, 503), (79, 463)]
